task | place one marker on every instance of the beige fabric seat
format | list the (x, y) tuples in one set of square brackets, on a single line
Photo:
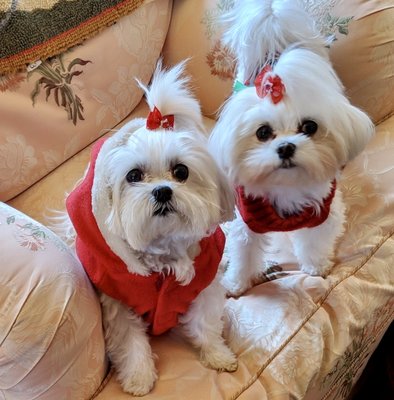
[(297, 336)]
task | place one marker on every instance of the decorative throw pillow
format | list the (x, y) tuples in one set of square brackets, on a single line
[(51, 337), (62, 104)]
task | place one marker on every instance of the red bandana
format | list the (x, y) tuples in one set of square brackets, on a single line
[(261, 216), (158, 298)]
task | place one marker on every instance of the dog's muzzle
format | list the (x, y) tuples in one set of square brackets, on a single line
[(285, 152), (162, 196)]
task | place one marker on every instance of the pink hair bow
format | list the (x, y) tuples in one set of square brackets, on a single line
[(155, 120), (267, 83)]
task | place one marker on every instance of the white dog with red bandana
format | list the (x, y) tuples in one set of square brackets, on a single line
[(146, 217), (283, 138)]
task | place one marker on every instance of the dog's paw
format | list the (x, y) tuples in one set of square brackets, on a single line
[(184, 271), (139, 268), (220, 358), (140, 382), (313, 270), (235, 287)]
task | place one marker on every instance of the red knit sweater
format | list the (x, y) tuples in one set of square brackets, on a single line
[(261, 217), (158, 298)]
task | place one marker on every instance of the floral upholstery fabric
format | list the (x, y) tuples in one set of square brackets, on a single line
[(194, 33), (51, 339), (297, 336), (61, 105)]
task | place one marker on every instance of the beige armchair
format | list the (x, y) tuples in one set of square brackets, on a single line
[(297, 336)]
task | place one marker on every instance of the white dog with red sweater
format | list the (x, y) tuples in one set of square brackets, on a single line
[(146, 217), (283, 138)]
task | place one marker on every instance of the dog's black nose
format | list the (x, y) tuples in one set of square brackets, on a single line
[(162, 194), (286, 150)]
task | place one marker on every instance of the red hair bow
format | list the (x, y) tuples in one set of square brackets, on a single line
[(269, 84), (155, 120)]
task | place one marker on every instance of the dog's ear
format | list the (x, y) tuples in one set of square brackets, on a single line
[(358, 130), (113, 200), (110, 175), (105, 193)]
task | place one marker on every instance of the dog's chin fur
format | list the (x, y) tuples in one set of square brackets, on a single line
[(312, 92), (150, 236)]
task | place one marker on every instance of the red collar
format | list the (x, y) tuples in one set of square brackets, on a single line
[(261, 216), (157, 298)]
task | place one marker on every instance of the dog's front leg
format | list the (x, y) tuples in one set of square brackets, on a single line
[(245, 253), (203, 326), (128, 347), (315, 247)]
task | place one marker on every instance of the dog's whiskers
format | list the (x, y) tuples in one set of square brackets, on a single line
[(162, 209)]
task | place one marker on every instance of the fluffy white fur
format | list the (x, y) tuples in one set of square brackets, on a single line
[(125, 214), (275, 24), (312, 92)]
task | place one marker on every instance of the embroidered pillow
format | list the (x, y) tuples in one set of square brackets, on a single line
[(63, 104)]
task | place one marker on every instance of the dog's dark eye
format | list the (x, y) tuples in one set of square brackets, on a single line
[(264, 133), (135, 175), (180, 172), (308, 127)]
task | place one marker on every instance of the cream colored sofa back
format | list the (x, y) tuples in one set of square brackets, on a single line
[(63, 104), (364, 55), (362, 51)]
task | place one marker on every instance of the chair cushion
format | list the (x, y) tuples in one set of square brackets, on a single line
[(51, 339)]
